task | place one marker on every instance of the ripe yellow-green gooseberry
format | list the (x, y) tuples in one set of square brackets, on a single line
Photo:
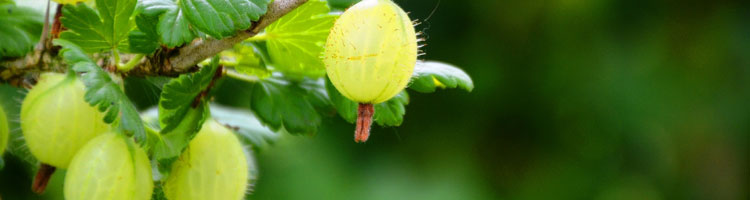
[(370, 55), (4, 130), (214, 166), (109, 167), (56, 121)]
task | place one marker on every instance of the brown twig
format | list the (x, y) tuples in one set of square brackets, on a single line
[(169, 62), (181, 60)]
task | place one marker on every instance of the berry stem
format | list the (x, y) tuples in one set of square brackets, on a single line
[(364, 121), (42, 178)]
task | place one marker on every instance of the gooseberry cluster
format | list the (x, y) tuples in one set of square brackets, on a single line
[(63, 131), (84, 121)]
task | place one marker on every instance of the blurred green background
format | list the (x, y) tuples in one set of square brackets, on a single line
[(574, 99)]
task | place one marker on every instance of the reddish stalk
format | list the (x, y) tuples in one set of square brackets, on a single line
[(42, 178), (57, 27), (364, 121)]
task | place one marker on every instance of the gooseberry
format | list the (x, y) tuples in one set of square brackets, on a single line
[(370, 56), (109, 167), (214, 166), (56, 121)]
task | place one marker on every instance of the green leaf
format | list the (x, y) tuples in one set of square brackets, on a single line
[(145, 40), (179, 94), (179, 116), (143, 93), (72, 53), (84, 28), (243, 123), (389, 113), (244, 59), (96, 32), (158, 81), (115, 16), (154, 8), (223, 18), (174, 28), (430, 75), (141, 42), (341, 4), (246, 125), (295, 41), (171, 25), (233, 92), (104, 93), (19, 31), (317, 95), (147, 25), (171, 143), (346, 108), (281, 103)]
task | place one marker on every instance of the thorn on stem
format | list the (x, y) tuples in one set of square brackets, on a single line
[(364, 122)]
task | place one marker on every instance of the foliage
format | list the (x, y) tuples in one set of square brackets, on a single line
[(92, 31), (389, 113), (145, 39), (222, 18), (103, 92), (176, 23), (431, 75), (20, 30), (182, 111), (292, 105), (162, 19), (427, 77), (179, 95), (295, 42), (277, 79), (245, 59)]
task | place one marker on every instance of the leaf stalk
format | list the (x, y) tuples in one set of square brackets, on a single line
[(239, 76), (130, 64)]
